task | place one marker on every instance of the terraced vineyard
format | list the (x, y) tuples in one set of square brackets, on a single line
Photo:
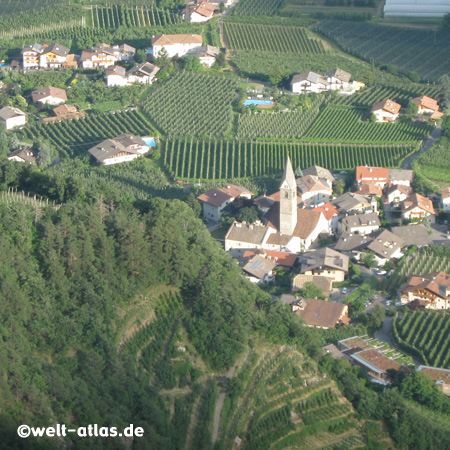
[(423, 51), (192, 103), (272, 38), (284, 404), (256, 7), (284, 125), (429, 333), (224, 159), (75, 137), (138, 16), (367, 97), (347, 125)]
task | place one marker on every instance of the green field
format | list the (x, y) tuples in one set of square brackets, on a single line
[(256, 7), (351, 125), (429, 333), (423, 51), (271, 38), (435, 162), (227, 159)]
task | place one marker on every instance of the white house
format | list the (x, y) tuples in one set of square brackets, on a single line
[(308, 82), (426, 104), (201, 11), (48, 95), (105, 55), (207, 54), (397, 193), (338, 79), (417, 206), (375, 175), (386, 246), (144, 73), (386, 110), (22, 155), (12, 117), (116, 76), (445, 199), (175, 44), (53, 56), (215, 200), (30, 55), (313, 191), (331, 215), (123, 148), (401, 176)]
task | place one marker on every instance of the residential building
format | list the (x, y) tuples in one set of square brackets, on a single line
[(215, 200), (48, 95), (144, 73), (242, 237), (175, 44), (123, 148), (116, 76), (308, 82), (397, 193), (207, 54), (386, 246), (386, 111), (353, 243), (439, 375), (22, 155), (53, 56), (417, 206), (279, 258), (320, 313), (324, 283), (360, 223), (413, 234), (313, 191), (353, 203), (445, 199), (369, 189), (431, 291), (105, 55), (401, 177), (65, 112), (374, 175), (426, 104), (200, 11), (325, 262), (323, 174), (331, 215), (30, 55), (260, 270), (337, 79), (12, 117)]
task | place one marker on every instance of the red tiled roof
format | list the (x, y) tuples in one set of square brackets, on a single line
[(427, 102), (379, 173), (377, 359), (417, 201), (369, 189), (431, 282), (320, 313), (388, 106), (214, 197), (328, 210)]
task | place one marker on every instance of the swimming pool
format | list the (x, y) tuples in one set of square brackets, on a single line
[(257, 102), (150, 141)]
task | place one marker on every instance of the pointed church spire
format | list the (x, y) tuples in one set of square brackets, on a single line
[(288, 180)]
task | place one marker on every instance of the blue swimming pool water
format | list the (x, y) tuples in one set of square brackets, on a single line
[(257, 102), (4, 65), (150, 141)]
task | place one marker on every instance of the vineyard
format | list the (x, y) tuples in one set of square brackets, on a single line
[(423, 51), (429, 260), (212, 159), (139, 16), (347, 125), (256, 7), (16, 6), (74, 137), (282, 404), (192, 103), (284, 125), (434, 163), (429, 333), (272, 38), (368, 96)]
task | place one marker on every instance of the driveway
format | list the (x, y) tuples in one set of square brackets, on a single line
[(384, 333), (434, 136)]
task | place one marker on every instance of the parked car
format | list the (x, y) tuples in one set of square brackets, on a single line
[(344, 290), (388, 302), (381, 272)]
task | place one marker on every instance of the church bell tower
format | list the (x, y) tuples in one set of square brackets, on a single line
[(288, 200)]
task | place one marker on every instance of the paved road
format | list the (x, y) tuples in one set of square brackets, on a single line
[(435, 135), (384, 333)]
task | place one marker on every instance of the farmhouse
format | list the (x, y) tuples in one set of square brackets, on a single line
[(120, 149), (417, 206), (440, 376), (144, 73), (426, 104), (445, 199), (313, 191), (337, 79), (22, 155), (64, 112), (53, 56), (200, 11), (320, 313), (12, 117), (207, 54), (105, 55), (431, 291), (360, 223), (48, 95), (325, 262), (175, 44), (386, 111), (215, 200), (401, 176), (308, 82), (116, 76)]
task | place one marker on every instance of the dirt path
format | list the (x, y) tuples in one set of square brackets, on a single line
[(194, 417), (221, 400)]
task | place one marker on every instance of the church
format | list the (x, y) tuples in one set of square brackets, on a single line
[(286, 227)]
